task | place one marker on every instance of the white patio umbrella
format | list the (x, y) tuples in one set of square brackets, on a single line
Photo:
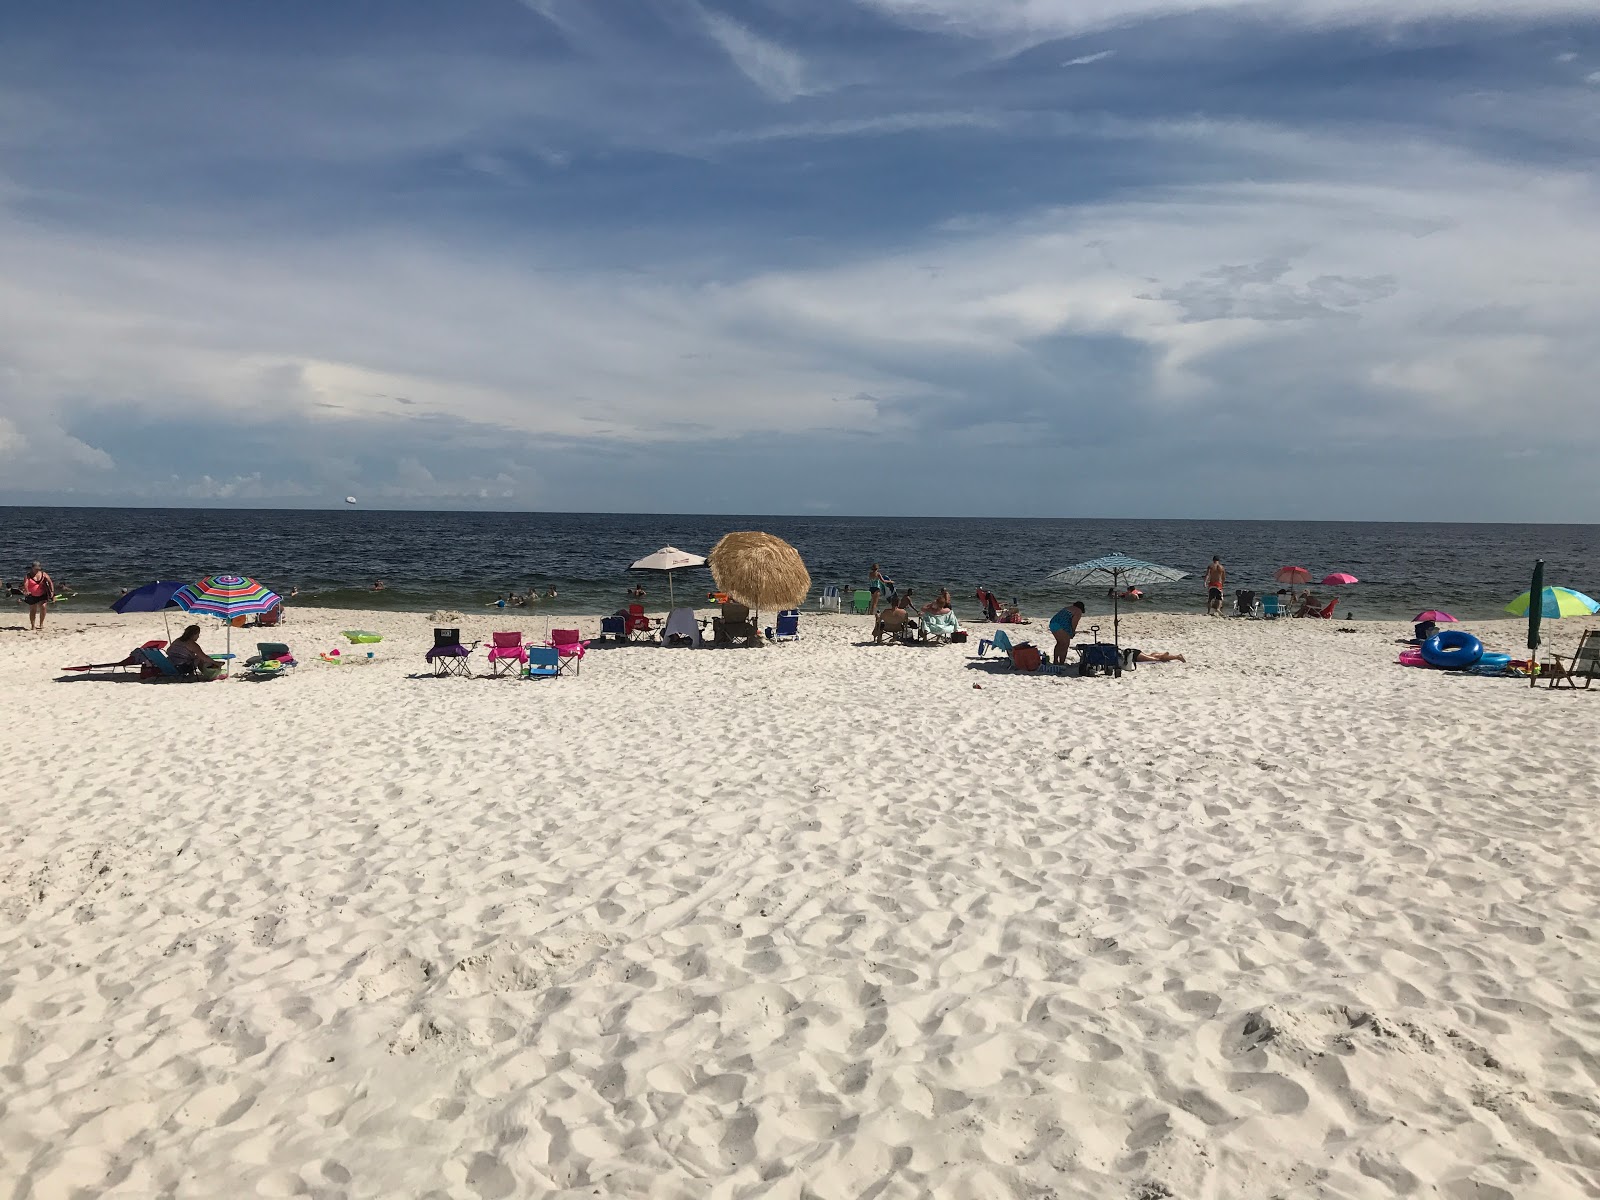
[(669, 559), (1120, 571)]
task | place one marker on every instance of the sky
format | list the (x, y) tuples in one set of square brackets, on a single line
[(1142, 258)]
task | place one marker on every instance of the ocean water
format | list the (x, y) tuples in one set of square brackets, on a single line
[(464, 560)]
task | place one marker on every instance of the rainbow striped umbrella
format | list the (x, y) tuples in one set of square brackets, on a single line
[(227, 597)]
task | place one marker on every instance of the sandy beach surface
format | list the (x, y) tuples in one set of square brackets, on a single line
[(816, 920)]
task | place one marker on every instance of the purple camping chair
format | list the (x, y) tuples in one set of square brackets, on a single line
[(449, 656), (568, 645), (506, 653)]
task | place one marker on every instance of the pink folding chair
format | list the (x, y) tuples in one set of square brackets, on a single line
[(637, 621), (568, 645), (506, 654)]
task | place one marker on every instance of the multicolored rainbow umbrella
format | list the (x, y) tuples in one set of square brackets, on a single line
[(227, 597)]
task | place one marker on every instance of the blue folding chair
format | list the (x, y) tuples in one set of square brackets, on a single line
[(544, 662), (788, 625), (1000, 641), (1269, 605), (614, 627)]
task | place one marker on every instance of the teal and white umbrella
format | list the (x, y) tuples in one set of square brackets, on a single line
[(1121, 572)]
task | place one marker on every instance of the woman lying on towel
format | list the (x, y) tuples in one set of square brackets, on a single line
[(1153, 656)]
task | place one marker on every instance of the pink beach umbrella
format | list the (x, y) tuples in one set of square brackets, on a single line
[(1434, 615), (1292, 575), (1339, 579)]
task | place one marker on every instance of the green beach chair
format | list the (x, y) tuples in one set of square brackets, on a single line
[(862, 601)]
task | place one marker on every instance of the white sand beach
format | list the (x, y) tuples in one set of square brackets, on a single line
[(817, 920)]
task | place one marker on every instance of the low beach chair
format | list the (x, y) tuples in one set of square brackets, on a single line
[(681, 627), (544, 662), (788, 626), (157, 665), (1584, 663), (830, 600), (270, 660), (615, 627), (135, 658), (506, 654), (1245, 603), (939, 627), (449, 656), (272, 617), (569, 648), (1270, 609), (1000, 641), (734, 625), (637, 621), (862, 600)]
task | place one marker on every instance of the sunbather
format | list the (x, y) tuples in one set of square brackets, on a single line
[(1155, 656), (186, 655), (894, 621)]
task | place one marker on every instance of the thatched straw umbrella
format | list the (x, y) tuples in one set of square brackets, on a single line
[(760, 571)]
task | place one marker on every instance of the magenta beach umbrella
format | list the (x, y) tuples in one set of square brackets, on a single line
[(1339, 579), (1434, 615)]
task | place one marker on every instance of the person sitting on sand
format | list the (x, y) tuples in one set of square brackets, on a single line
[(1064, 625), (186, 655), (894, 620), (1013, 615)]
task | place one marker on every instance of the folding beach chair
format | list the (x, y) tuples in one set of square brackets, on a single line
[(1245, 603), (734, 625), (1000, 641), (615, 627), (273, 616), (830, 600), (939, 627), (157, 665), (569, 648), (862, 601), (544, 662), (136, 658), (270, 660), (682, 628), (506, 654), (788, 626), (449, 656), (1584, 663), (1269, 606), (637, 621)]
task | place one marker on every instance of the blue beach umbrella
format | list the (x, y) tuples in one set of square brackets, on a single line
[(1122, 572), (156, 596)]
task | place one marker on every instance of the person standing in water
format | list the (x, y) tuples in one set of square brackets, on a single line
[(1216, 580)]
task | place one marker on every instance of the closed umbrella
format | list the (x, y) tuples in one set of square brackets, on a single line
[(155, 596), (227, 597), (759, 570), (669, 559), (1122, 572), (1534, 614)]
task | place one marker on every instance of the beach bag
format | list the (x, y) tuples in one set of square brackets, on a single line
[(1026, 657)]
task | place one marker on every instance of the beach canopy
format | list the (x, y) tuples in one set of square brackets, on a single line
[(1435, 615), (1553, 602), (1292, 575), (1339, 579), (669, 559), (227, 597), (1120, 571), (759, 570)]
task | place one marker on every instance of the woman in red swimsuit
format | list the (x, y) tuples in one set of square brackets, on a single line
[(38, 589)]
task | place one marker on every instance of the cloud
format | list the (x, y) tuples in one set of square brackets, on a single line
[(1084, 60), (1034, 20), (777, 71)]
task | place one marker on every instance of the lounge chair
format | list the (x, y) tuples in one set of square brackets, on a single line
[(273, 616), (1327, 613), (1584, 663), (681, 627), (939, 627), (449, 656), (506, 654), (544, 662), (862, 600), (788, 626), (734, 625), (136, 658), (830, 600), (569, 648)]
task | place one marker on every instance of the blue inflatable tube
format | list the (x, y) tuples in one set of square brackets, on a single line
[(1452, 649)]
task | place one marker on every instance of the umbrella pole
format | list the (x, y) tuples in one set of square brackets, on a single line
[(1116, 626), (672, 600)]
